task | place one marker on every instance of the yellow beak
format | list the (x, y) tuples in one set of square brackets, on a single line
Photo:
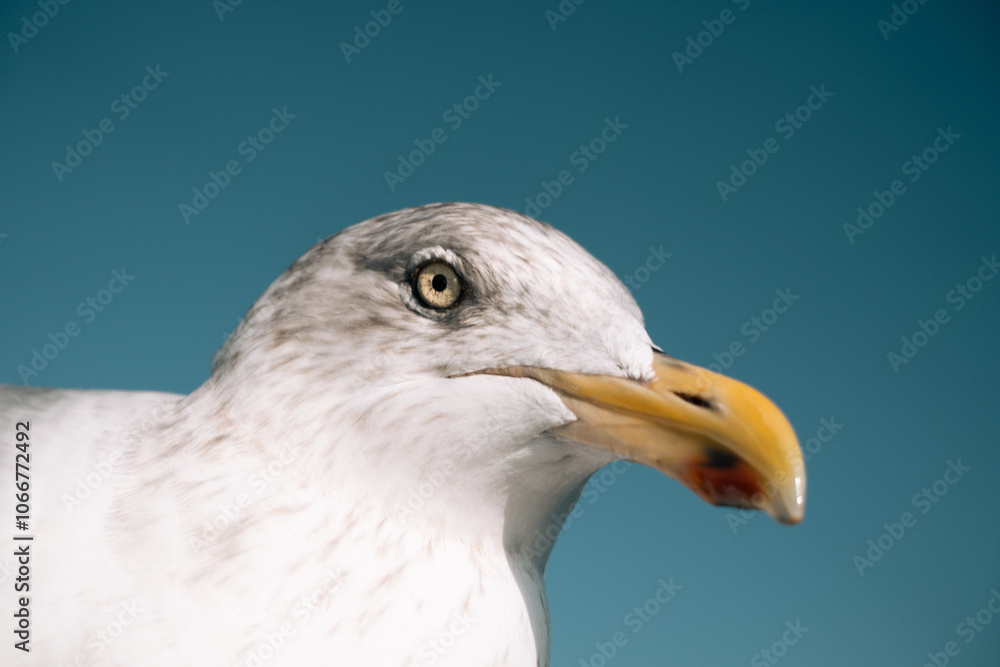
[(723, 439)]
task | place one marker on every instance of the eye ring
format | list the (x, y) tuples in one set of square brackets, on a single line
[(437, 285)]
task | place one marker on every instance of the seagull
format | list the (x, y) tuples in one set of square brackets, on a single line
[(362, 478)]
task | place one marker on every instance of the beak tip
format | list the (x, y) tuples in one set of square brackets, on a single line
[(789, 516), (788, 506)]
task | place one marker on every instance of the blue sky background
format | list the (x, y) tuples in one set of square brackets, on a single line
[(825, 358)]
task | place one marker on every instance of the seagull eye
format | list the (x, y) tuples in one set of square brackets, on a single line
[(437, 285)]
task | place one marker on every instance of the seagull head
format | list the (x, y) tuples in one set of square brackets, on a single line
[(485, 362)]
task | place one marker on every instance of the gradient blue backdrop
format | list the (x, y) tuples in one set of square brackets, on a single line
[(825, 358)]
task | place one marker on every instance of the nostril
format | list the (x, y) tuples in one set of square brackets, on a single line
[(694, 400)]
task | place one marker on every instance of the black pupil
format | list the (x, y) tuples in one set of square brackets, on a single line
[(439, 283)]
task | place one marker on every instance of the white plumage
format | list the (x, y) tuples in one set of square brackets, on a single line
[(339, 491)]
